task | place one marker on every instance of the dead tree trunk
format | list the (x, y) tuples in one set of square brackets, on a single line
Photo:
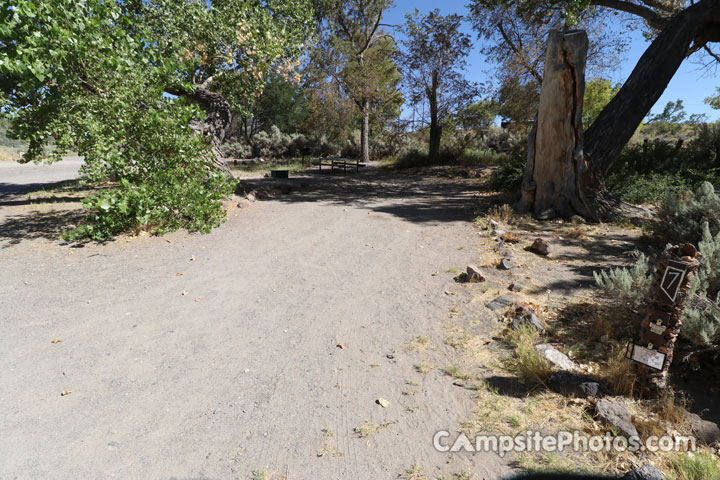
[(556, 169)]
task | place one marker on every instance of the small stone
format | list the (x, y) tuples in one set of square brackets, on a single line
[(555, 356), (493, 224), (474, 275), (705, 431), (577, 219), (540, 247), (616, 414), (505, 264), (244, 203), (646, 472), (501, 302), (505, 252), (573, 385), (528, 319), (515, 287), (390, 356), (251, 197)]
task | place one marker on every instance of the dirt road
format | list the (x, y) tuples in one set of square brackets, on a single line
[(213, 356)]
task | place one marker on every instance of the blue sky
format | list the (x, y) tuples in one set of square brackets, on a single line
[(689, 84)]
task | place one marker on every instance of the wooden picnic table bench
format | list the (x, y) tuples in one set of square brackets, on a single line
[(339, 163)]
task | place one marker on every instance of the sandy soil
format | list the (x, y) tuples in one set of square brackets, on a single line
[(243, 372)]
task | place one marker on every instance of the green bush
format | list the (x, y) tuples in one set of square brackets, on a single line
[(701, 323), (646, 172), (649, 188), (166, 186), (705, 147), (508, 175), (699, 466), (681, 216)]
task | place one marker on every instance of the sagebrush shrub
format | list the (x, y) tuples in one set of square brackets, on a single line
[(632, 284), (681, 216), (237, 150), (701, 323)]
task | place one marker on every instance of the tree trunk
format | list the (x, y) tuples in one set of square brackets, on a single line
[(615, 125), (556, 170), (565, 177), (435, 128), (217, 124), (365, 131)]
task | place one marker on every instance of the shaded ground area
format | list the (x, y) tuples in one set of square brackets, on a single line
[(192, 356)]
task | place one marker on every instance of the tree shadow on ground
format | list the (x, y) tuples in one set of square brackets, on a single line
[(12, 189), (585, 254), (33, 225), (510, 387), (415, 198)]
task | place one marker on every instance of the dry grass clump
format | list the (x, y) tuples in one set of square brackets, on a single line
[(500, 213), (419, 343), (415, 472), (527, 363), (368, 428), (618, 373)]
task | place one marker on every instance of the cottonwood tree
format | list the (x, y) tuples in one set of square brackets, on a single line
[(598, 93), (433, 63), (94, 76), (355, 46), (679, 30), (714, 102), (281, 103)]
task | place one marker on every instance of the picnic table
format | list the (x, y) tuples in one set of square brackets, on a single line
[(339, 163)]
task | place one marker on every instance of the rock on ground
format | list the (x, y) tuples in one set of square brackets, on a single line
[(615, 414), (705, 431), (474, 275), (528, 319), (501, 302), (555, 356), (573, 385), (540, 247), (505, 264), (646, 472)]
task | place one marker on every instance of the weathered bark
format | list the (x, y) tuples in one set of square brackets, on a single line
[(435, 128), (365, 131), (217, 125), (557, 174), (660, 327), (616, 124)]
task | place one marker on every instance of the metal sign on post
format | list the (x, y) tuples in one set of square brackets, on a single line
[(673, 278), (646, 356)]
